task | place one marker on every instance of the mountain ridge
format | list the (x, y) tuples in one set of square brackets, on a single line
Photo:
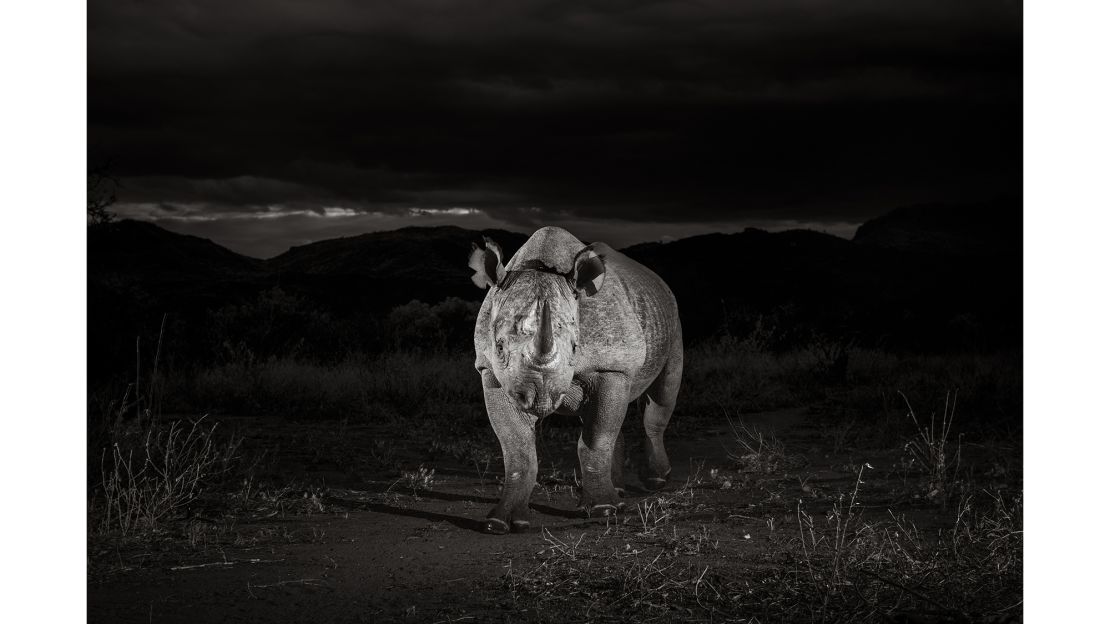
[(890, 280)]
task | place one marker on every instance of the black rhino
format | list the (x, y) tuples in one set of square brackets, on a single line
[(575, 329)]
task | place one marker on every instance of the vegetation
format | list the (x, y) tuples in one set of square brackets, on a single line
[(150, 479), (278, 355), (100, 194), (841, 565), (411, 387), (925, 523)]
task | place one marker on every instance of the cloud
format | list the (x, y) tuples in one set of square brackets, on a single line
[(267, 234), (534, 111)]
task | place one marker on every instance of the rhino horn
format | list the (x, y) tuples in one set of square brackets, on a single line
[(543, 344)]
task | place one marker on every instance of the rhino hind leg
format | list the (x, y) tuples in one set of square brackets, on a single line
[(657, 408)]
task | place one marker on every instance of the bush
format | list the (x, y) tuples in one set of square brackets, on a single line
[(276, 324), (445, 326), (149, 477), (841, 381), (402, 384)]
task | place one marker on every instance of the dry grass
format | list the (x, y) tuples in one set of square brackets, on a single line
[(755, 451), (842, 564), (394, 386), (865, 387), (674, 556), (890, 568), (150, 481), (605, 581), (420, 479), (931, 448)]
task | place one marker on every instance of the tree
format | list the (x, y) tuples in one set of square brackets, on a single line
[(101, 189)]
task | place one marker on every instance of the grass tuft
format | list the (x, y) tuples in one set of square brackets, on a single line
[(931, 448), (152, 479)]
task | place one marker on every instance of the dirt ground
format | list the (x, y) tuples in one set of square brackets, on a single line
[(355, 546)]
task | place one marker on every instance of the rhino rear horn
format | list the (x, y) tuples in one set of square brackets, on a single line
[(486, 262), (589, 271)]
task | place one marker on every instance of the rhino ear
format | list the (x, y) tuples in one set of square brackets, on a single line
[(589, 271), (486, 262)]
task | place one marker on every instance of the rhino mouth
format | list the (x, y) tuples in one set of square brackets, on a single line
[(537, 399), (546, 408), (544, 404)]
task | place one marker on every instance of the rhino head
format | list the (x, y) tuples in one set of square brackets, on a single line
[(533, 321)]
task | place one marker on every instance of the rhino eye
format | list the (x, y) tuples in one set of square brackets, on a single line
[(500, 347)]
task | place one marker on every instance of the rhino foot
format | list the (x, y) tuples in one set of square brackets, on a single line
[(500, 523), (656, 483), (603, 510), (496, 526)]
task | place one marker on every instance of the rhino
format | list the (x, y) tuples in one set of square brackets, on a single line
[(580, 330)]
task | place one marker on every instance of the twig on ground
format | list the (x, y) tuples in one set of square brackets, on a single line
[(224, 563), (947, 610)]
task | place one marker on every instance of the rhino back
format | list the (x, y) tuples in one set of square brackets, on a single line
[(632, 321), (554, 247)]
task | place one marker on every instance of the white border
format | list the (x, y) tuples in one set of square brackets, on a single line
[(1067, 177), (1067, 292), (42, 255)]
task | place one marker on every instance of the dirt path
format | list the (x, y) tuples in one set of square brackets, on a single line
[(382, 552)]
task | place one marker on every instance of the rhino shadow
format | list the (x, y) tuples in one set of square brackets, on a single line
[(544, 509), (470, 524), (463, 522)]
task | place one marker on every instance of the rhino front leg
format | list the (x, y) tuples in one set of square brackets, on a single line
[(516, 431), (618, 464), (601, 428)]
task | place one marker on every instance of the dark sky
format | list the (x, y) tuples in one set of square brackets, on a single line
[(267, 123)]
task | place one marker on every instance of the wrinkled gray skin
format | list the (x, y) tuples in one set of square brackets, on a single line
[(575, 330)]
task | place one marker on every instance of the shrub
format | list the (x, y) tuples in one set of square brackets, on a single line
[(418, 326), (407, 384), (149, 477), (276, 324)]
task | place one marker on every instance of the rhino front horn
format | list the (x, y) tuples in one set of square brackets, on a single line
[(543, 344)]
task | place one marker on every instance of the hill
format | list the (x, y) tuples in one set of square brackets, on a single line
[(384, 269), (982, 229), (805, 284), (140, 252), (920, 278)]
